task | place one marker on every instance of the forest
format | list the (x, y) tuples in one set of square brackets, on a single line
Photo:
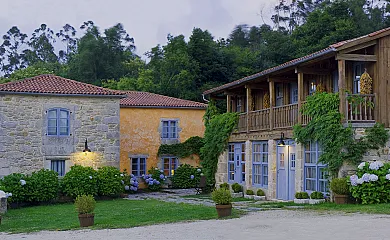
[(181, 68)]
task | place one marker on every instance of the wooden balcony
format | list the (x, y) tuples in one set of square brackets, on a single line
[(360, 108), (285, 116), (259, 120)]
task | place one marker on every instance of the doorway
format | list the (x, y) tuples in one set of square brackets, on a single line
[(286, 161)]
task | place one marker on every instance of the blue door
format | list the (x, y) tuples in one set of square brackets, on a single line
[(286, 171), (236, 162)]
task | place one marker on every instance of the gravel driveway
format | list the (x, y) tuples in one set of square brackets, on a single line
[(267, 225)]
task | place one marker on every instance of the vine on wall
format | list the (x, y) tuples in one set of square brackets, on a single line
[(183, 150), (337, 141), (216, 137)]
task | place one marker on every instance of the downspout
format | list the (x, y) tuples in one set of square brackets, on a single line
[(204, 99)]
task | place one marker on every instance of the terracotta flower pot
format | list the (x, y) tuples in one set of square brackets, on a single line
[(86, 219), (340, 199), (224, 210)]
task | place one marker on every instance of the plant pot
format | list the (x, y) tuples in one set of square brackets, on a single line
[(86, 219), (301, 201), (340, 199), (259, 198), (224, 210), (316, 201), (237, 195), (249, 196)]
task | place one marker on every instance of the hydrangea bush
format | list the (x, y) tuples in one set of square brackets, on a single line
[(154, 179), (186, 176), (80, 181), (371, 183), (109, 180), (131, 183)]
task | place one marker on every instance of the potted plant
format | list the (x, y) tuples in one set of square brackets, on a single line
[(237, 190), (85, 204), (340, 190), (316, 197), (301, 198), (249, 194), (225, 186), (223, 202), (260, 195)]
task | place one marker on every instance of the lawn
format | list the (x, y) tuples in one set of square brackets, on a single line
[(208, 197), (117, 213), (326, 207)]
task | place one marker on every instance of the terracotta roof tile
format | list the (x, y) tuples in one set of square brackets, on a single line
[(331, 48), (51, 84), (146, 99)]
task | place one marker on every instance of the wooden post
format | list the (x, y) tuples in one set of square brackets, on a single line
[(300, 96), (342, 87), (248, 105), (228, 103), (271, 102)]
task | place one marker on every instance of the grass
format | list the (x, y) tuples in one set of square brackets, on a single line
[(117, 213), (208, 197), (332, 207)]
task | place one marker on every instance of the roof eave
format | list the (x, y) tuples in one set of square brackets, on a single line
[(61, 95), (166, 107)]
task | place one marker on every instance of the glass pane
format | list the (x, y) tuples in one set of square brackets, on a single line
[(256, 147), (256, 157), (310, 185), (173, 123), (243, 147), (231, 148), (281, 160), (265, 148), (231, 157), (323, 186), (313, 147), (243, 157), (231, 167), (52, 123), (165, 132), (63, 122), (311, 172), (165, 124), (265, 180), (52, 131), (313, 158), (52, 114), (265, 158), (63, 131), (322, 173), (265, 170), (63, 114)]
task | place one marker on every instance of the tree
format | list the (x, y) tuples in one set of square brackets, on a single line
[(10, 50), (67, 36)]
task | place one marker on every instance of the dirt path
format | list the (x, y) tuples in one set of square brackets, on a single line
[(268, 225)]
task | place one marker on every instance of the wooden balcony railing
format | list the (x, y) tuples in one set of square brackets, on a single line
[(242, 122), (305, 119), (285, 116), (259, 120), (360, 108)]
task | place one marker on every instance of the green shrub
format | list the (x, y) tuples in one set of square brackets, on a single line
[(260, 192), (317, 195), (301, 195), (16, 183), (339, 186), (109, 181), (236, 188), (186, 176), (221, 197), (80, 181), (225, 186), (249, 192), (85, 204), (43, 186), (155, 179)]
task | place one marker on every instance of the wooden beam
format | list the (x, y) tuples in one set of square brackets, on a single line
[(358, 47), (272, 102), (313, 71), (357, 57), (258, 86), (284, 80), (300, 96), (248, 105), (228, 103), (342, 87)]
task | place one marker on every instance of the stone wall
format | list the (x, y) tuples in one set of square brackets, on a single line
[(25, 146)]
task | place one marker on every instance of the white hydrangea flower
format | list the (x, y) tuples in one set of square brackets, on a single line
[(127, 188), (353, 179), (388, 176), (121, 174), (22, 182), (360, 181), (2, 194), (90, 177), (361, 165), (156, 169), (376, 165), (161, 171), (7, 195), (373, 177), (199, 170), (366, 177)]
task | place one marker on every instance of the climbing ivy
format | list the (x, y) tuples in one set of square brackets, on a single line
[(338, 142), (182, 150), (218, 129)]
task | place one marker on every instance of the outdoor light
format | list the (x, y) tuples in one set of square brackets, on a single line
[(281, 142), (86, 149)]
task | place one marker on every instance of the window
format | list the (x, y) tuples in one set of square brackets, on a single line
[(315, 174), (58, 166), (279, 95), (358, 69), (169, 129), (335, 81), (138, 166), (58, 122), (169, 164), (294, 93), (260, 164)]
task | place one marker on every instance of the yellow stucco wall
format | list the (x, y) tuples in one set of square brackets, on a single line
[(140, 133)]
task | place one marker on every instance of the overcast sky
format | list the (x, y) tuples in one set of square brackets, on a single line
[(147, 21)]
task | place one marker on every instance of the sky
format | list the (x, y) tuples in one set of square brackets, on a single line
[(147, 21)]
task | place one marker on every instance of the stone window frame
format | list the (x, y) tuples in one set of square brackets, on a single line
[(138, 172), (171, 160), (67, 159), (313, 151), (263, 145), (58, 110)]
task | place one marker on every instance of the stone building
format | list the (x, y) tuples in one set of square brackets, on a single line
[(46, 120), (148, 120), (269, 104)]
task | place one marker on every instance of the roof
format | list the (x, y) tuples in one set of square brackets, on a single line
[(329, 50), (55, 85), (152, 100)]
